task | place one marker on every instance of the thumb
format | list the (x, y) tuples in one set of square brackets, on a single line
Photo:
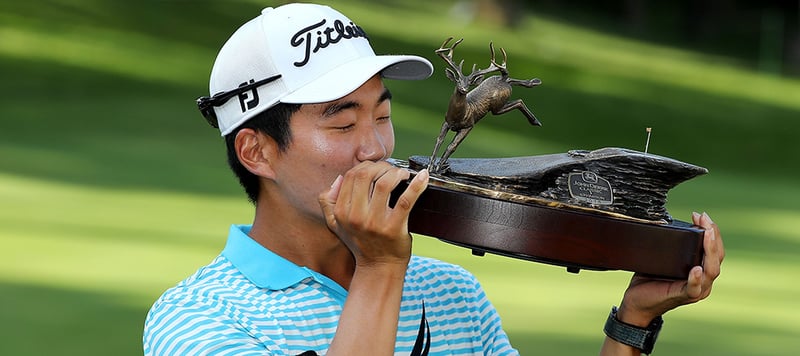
[(327, 201)]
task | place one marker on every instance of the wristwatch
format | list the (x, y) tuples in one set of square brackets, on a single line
[(641, 338)]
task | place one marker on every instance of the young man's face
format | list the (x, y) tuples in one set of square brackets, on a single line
[(327, 139)]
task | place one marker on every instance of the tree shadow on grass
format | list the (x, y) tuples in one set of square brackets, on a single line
[(197, 22), (41, 320), (93, 128)]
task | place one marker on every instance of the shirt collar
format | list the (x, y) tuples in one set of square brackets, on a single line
[(261, 266)]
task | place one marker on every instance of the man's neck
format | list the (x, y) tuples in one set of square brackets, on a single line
[(304, 241)]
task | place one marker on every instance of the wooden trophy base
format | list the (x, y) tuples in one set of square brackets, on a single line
[(556, 235)]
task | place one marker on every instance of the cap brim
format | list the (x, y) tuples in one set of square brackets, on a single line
[(348, 77)]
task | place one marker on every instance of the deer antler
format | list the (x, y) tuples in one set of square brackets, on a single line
[(442, 49), (501, 67), (446, 53), (454, 71), (477, 76)]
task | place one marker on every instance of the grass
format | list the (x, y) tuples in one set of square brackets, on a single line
[(113, 189)]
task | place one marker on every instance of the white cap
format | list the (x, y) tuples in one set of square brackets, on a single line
[(319, 54)]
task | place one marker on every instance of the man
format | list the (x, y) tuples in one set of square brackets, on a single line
[(326, 266)]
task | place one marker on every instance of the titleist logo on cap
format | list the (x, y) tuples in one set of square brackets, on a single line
[(324, 37)]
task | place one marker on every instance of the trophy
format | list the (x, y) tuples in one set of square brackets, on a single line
[(602, 209)]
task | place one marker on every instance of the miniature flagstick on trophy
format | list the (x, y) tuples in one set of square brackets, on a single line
[(602, 209)]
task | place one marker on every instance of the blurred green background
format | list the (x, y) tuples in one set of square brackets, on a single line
[(113, 188)]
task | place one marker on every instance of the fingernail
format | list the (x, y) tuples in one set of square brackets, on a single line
[(423, 174), (695, 215), (708, 217), (336, 181)]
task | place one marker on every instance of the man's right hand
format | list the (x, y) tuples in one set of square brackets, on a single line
[(357, 210)]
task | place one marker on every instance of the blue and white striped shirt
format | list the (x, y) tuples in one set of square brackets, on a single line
[(250, 301)]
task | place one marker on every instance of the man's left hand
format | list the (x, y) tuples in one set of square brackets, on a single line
[(647, 298)]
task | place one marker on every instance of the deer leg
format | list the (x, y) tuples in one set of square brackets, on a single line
[(518, 104), (525, 83), (439, 140), (460, 135)]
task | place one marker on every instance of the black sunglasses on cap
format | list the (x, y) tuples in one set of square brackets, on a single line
[(206, 104)]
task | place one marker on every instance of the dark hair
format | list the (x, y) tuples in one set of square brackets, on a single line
[(273, 122)]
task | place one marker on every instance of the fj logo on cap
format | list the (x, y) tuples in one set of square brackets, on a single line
[(324, 37), (245, 100)]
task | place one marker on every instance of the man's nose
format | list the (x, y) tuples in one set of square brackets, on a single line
[(373, 145)]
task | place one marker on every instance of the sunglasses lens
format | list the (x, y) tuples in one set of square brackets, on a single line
[(207, 109)]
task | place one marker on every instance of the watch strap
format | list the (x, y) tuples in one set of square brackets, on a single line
[(641, 338)]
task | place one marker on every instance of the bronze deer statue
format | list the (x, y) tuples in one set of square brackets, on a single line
[(467, 106)]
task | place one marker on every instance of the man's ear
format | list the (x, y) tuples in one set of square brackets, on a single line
[(256, 152)]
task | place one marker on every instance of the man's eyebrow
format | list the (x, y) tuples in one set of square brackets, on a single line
[(336, 108), (386, 95)]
